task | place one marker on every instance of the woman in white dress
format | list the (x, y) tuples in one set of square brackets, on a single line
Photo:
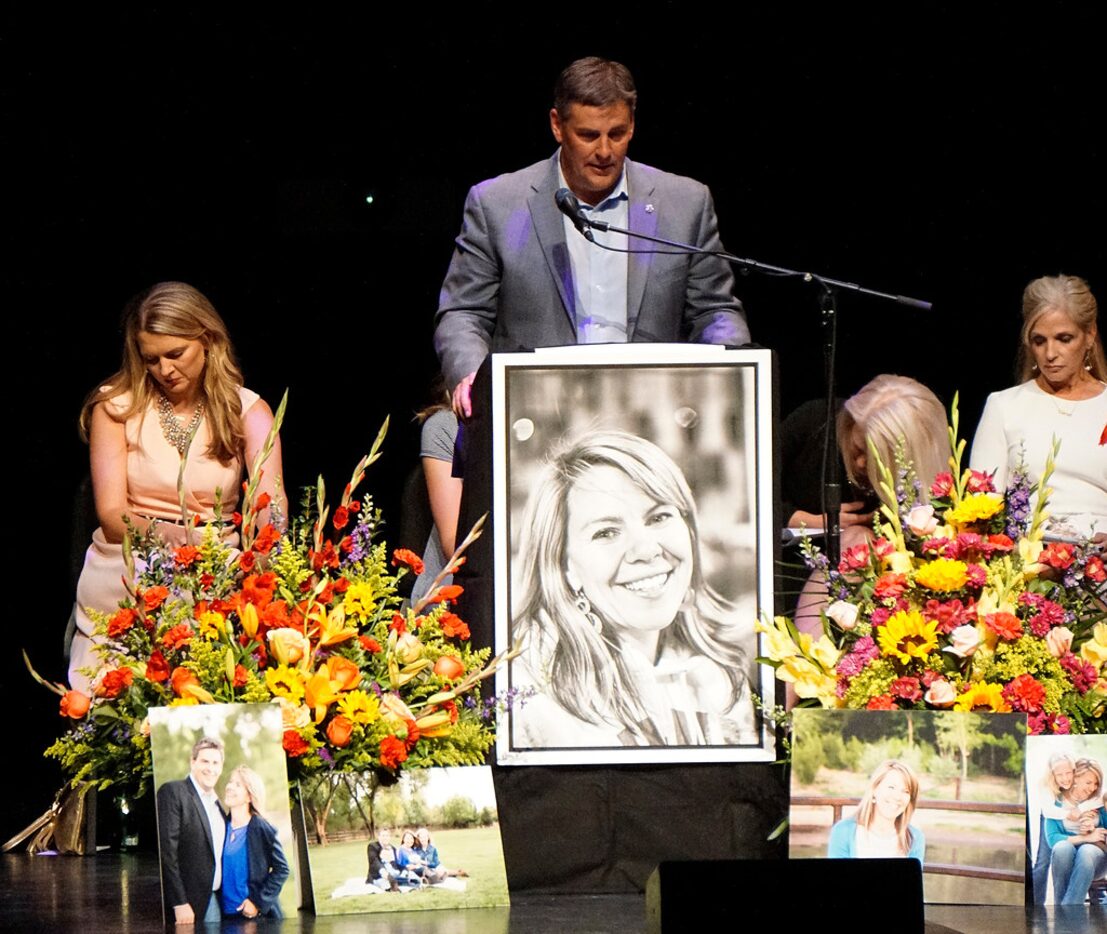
[(1061, 395)]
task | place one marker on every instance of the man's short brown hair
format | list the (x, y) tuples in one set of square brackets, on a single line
[(594, 82)]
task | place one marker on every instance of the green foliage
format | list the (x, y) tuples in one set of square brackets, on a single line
[(459, 812), (807, 757)]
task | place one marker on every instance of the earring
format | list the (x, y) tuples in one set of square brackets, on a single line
[(585, 607), (1088, 359)]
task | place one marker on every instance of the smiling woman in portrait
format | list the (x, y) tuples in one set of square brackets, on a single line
[(1062, 397), (624, 641), (882, 825)]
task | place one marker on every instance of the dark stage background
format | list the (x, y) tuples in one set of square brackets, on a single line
[(950, 153)]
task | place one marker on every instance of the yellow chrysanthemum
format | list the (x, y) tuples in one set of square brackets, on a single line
[(360, 706), (983, 696), (212, 624), (187, 701), (360, 600), (285, 682), (975, 508), (908, 635), (942, 575)]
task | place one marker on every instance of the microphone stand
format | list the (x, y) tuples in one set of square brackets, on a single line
[(828, 304)]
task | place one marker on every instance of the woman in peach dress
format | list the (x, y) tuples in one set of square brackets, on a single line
[(177, 396)]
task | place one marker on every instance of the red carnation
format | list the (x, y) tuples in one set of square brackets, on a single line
[(881, 702), (1004, 625), (1024, 694), (121, 622), (408, 557), (393, 752), (890, 586), (294, 744), (369, 644), (115, 682), (186, 556), (177, 636), (157, 668), (154, 597)]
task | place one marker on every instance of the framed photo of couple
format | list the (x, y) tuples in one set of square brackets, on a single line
[(224, 823), (634, 544)]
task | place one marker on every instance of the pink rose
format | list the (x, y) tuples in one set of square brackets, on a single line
[(844, 614), (963, 641), (940, 694), (1059, 641), (921, 521)]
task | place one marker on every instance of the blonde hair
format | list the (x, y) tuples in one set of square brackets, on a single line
[(1049, 780), (867, 807), (178, 310), (1068, 294), (255, 787), (1089, 765), (892, 411)]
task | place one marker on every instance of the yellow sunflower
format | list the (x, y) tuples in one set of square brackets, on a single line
[(359, 706), (285, 682), (908, 635), (983, 696)]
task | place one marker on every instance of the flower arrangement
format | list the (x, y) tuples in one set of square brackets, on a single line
[(958, 602), (309, 619)]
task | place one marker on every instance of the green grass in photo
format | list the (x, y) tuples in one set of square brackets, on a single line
[(477, 850)]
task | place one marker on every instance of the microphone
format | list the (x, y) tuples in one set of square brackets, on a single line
[(568, 205)]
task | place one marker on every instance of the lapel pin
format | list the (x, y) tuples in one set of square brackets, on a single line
[(649, 208)]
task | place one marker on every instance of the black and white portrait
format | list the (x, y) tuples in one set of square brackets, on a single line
[(634, 552)]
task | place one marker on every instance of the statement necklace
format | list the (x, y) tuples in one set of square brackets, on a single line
[(176, 434)]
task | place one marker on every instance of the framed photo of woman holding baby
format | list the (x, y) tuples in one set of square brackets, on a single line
[(634, 550)]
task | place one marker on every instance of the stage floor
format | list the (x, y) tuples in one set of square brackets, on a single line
[(115, 892)]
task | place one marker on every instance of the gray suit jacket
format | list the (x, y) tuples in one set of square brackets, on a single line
[(509, 286)]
